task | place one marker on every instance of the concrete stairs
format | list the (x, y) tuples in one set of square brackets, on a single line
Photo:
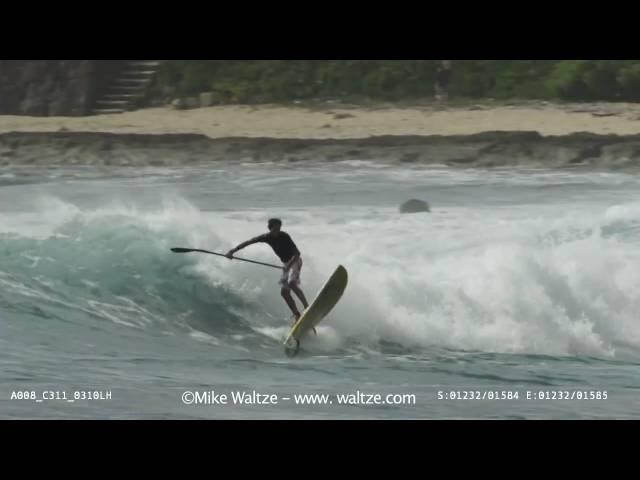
[(129, 86)]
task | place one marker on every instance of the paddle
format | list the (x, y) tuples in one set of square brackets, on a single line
[(188, 250)]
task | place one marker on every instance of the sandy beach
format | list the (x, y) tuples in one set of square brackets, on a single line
[(348, 121), (473, 135)]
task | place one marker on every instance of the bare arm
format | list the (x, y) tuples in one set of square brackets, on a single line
[(241, 246)]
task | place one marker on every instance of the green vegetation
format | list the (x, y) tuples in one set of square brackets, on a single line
[(258, 81)]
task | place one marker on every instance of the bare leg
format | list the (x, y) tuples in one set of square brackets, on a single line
[(300, 294), (286, 294)]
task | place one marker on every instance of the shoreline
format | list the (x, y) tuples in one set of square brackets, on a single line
[(475, 134), (483, 150)]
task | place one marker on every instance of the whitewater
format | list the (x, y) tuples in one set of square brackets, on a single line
[(518, 281)]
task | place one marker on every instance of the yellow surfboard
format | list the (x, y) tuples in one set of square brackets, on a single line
[(324, 302)]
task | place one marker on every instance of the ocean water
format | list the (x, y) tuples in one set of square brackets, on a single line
[(518, 296)]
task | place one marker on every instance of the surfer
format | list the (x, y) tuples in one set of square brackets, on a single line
[(289, 254)]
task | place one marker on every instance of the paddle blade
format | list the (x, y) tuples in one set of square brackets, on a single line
[(181, 250)]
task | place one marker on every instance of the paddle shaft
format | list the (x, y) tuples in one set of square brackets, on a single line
[(187, 250)]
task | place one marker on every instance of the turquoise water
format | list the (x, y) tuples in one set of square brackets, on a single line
[(518, 283)]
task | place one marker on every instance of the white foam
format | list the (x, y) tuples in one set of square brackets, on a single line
[(48, 214), (203, 337), (521, 278), (464, 281), (627, 211)]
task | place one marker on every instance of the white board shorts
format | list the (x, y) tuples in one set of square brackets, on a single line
[(292, 276)]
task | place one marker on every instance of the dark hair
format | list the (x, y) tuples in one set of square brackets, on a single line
[(274, 221)]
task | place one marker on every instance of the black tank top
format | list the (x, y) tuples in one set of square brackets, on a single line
[(282, 245)]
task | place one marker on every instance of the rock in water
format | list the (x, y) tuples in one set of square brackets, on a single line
[(414, 206)]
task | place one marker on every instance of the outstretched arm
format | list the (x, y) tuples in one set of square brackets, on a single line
[(230, 253)]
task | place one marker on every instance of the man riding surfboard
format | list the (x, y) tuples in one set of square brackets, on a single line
[(288, 252)]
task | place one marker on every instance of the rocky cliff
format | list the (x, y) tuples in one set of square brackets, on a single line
[(52, 87)]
